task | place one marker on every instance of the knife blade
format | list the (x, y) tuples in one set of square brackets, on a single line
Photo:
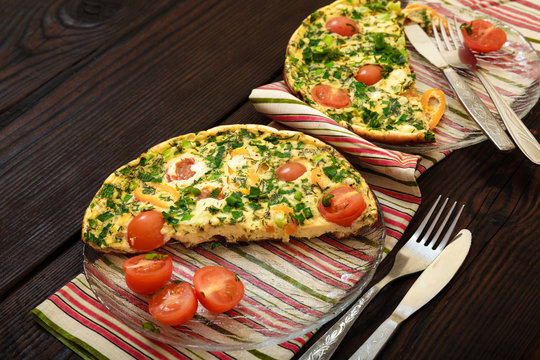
[(426, 287), (468, 98)]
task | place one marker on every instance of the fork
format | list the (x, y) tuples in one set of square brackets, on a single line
[(414, 256), (458, 56)]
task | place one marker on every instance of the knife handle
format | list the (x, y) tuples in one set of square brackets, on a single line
[(478, 111), (377, 340), (519, 132)]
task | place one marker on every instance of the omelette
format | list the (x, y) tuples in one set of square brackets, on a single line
[(329, 55), (235, 183)]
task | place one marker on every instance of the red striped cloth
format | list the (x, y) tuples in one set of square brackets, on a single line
[(75, 316)]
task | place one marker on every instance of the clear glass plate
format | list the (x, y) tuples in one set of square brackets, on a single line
[(514, 70), (291, 288)]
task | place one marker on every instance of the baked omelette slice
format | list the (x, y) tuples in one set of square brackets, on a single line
[(232, 183), (327, 59)]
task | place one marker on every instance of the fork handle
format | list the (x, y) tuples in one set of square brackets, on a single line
[(519, 132), (377, 340), (328, 343), (478, 111)]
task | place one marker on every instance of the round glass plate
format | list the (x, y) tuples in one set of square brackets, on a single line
[(514, 70), (290, 288)]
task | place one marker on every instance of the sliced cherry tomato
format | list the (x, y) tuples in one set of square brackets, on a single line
[(330, 97), (175, 304), (434, 104), (183, 169), (144, 231), (369, 74), (218, 289), (342, 205), (342, 25), (210, 191), (147, 273), (482, 36), (290, 171)]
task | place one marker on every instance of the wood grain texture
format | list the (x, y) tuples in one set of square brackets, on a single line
[(88, 85), (169, 72)]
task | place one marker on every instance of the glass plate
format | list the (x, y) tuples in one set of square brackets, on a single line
[(291, 288), (514, 70)]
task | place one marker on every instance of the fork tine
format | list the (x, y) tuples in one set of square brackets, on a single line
[(453, 30), (426, 238), (441, 227), (436, 34), (449, 45), (422, 225), (456, 27), (446, 237)]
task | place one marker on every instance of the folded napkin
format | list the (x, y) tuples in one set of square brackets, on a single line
[(75, 316)]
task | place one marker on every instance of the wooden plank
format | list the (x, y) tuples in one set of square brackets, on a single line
[(182, 70), (43, 39), (22, 337)]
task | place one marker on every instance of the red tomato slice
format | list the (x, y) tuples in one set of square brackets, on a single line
[(482, 36), (144, 231), (147, 273), (369, 74), (330, 97), (343, 205), (207, 191), (175, 304), (218, 289), (183, 169), (290, 171), (342, 25)]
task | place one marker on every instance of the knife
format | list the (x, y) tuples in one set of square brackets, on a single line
[(428, 284), (474, 106)]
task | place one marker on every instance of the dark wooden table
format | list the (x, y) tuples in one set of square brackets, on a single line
[(86, 85)]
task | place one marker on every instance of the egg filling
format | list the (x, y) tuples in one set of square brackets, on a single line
[(318, 54), (223, 184)]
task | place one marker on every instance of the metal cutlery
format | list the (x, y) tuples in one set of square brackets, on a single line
[(425, 288), (458, 56), (474, 106), (414, 256)]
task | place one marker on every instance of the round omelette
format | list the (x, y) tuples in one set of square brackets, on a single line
[(348, 60)]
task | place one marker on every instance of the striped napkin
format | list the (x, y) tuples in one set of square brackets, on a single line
[(75, 316)]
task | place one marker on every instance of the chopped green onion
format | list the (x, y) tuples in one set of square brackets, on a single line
[(154, 256), (192, 190), (326, 199), (280, 220)]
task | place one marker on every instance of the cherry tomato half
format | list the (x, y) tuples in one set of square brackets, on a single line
[(482, 36), (147, 273), (342, 205), (144, 231), (328, 96), (290, 171), (183, 169), (175, 304), (369, 74), (342, 25), (218, 289)]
